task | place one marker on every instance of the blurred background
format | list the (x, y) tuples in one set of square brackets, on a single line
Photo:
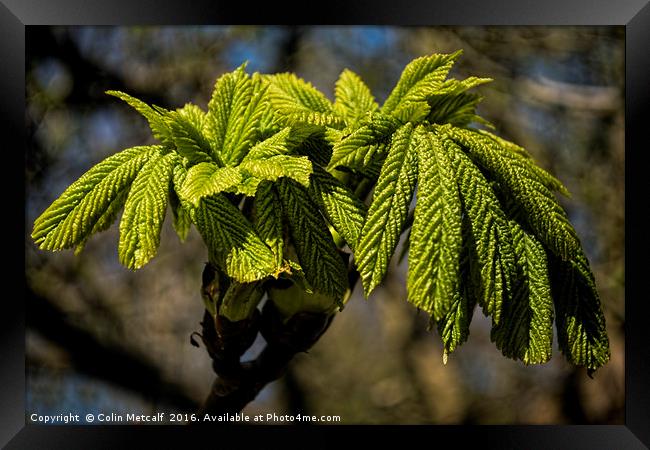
[(103, 339)]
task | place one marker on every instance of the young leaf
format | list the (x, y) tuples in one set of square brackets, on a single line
[(289, 95), (182, 220), (491, 243), (232, 242), (295, 167), (526, 329), (234, 113), (364, 145), (71, 218), (317, 254), (420, 78), (205, 179), (144, 212), (580, 322), (186, 127), (275, 145), (436, 236), (155, 117), (454, 325), (353, 98), (107, 218), (542, 176), (412, 111), (343, 209), (267, 219), (389, 208), (543, 214), (459, 110)]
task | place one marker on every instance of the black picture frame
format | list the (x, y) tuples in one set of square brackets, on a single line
[(15, 15)]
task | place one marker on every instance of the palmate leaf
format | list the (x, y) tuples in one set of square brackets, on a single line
[(317, 254), (543, 214), (368, 143), (297, 168), (526, 329), (543, 176), (580, 322), (419, 79), (453, 327), (234, 113), (206, 179), (187, 132), (71, 218), (275, 145), (388, 210), (233, 244), (107, 218), (267, 219), (182, 220), (459, 110), (436, 237), (343, 209), (290, 94), (491, 242), (144, 211), (412, 111), (300, 103), (353, 98), (155, 116)]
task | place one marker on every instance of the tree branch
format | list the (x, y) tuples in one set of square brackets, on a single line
[(237, 383)]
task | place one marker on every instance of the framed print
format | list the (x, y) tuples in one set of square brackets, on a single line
[(255, 265)]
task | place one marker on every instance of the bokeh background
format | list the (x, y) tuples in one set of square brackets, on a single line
[(103, 339)]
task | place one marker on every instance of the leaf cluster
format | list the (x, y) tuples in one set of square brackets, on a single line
[(277, 180)]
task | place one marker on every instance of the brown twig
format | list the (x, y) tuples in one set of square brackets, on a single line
[(237, 383)]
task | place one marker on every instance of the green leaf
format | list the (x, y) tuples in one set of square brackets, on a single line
[(580, 322), (301, 104), (295, 167), (206, 179), (343, 209), (388, 210), (234, 113), (368, 143), (543, 215), (267, 219), (290, 94), (454, 326), (317, 253), (459, 110), (107, 218), (315, 119), (182, 220), (436, 237), (187, 125), (233, 244), (275, 145), (420, 78), (454, 87), (491, 253), (155, 117), (144, 212), (412, 111), (353, 98), (526, 329), (543, 176), (71, 218)]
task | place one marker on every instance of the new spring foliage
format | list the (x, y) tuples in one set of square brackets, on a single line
[(275, 177)]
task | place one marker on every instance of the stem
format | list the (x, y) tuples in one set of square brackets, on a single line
[(237, 383)]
